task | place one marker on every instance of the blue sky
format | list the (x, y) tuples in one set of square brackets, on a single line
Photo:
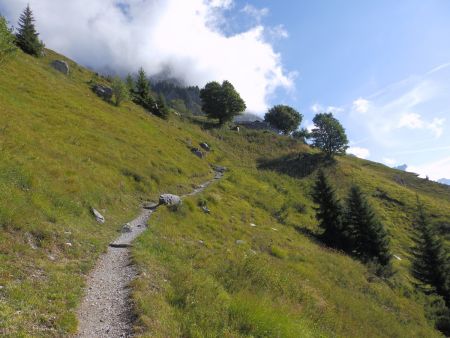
[(380, 66)]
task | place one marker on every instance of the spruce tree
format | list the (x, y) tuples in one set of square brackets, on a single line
[(142, 88), (27, 37), (368, 238), (430, 263), (163, 111), (329, 213), (129, 81)]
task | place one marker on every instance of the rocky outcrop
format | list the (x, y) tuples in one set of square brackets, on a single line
[(104, 92), (197, 152), (169, 199), (61, 66)]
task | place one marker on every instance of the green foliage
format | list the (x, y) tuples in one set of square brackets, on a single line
[(368, 238), (329, 212), (142, 88), (430, 265), (329, 135), (129, 81), (163, 110), (283, 118), (175, 92), (120, 91), (222, 102), (7, 45), (27, 36), (302, 135)]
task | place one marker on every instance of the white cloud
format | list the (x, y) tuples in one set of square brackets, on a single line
[(257, 13), (318, 108), (411, 120), (309, 126), (389, 161), (278, 32), (184, 37), (359, 152), (410, 113), (435, 170), (361, 105), (415, 121)]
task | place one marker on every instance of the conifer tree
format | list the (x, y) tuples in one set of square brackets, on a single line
[(27, 36), (163, 111), (329, 213), (142, 88), (369, 240), (129, 81), (430, 263)]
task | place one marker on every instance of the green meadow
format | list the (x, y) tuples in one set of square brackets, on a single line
[(252, 267)]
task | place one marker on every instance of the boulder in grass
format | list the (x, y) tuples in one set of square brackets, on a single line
[(169, 199), (219, 169), (61, 66), (205, 146), (98, 216), (104, 92), (197, 152)]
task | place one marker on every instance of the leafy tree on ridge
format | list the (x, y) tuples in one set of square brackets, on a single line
[(283, 118), (221, 101), (7, 46), (329, 135)]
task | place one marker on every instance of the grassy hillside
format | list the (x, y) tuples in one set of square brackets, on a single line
[(280, 281), (63, 151)]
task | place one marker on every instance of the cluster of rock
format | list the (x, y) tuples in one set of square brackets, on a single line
[(104, 92), (198, 152)]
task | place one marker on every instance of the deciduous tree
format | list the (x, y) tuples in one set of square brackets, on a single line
[(221, 101), (329, 135)]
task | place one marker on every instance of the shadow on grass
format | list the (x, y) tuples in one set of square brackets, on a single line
[(312, 235), (296, 165)]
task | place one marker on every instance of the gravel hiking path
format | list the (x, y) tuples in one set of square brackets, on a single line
[(106, 310)]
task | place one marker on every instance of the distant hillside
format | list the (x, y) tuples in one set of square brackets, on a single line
[(249, 265), (444, 181), (181, 98)]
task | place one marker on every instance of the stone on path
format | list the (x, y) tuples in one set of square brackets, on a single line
[(169, 199)]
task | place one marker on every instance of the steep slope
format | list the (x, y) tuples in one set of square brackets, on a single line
[(251, 267), (63, 151)]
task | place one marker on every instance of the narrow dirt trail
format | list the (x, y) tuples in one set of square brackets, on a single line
[(106, 310)]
